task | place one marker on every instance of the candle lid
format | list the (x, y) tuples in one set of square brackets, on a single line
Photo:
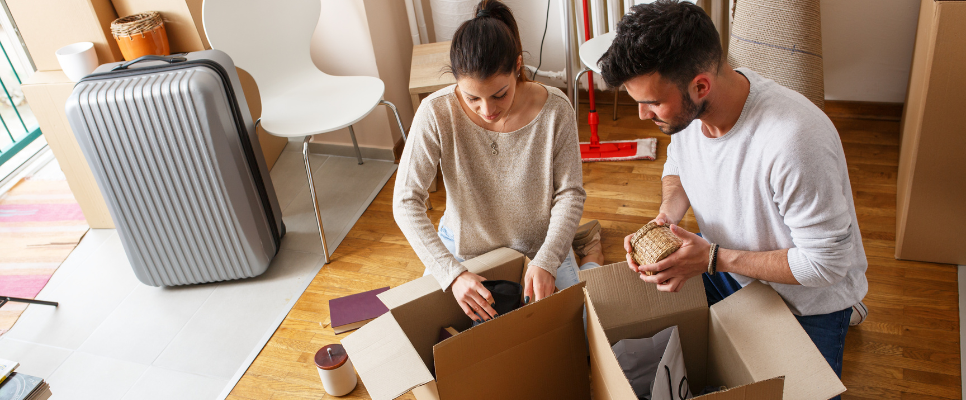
[(331, 357)]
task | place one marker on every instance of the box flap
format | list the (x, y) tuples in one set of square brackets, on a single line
[(502, 263), (606, 373), (47, 78), (537, 351), (421, 308), (770, 389), (385, 360), (768, 341), (628, 307), (622, 298)]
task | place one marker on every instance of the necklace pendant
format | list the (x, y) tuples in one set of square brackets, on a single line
[(493, 146)]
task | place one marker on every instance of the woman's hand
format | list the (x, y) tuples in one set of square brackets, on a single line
[(473, 297), (538, 283)]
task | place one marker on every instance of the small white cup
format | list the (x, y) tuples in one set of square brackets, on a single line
[(77, 60)]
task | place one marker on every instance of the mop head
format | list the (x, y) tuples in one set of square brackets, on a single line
[(646, 150)]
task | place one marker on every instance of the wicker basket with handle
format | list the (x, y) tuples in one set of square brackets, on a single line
[(653, 243)]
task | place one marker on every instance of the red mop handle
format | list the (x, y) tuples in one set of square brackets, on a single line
[(592, 115)]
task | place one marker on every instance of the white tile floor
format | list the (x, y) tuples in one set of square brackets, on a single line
[(113, 337)]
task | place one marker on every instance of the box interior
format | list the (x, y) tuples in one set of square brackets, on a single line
[(745, 340), (541, 343)]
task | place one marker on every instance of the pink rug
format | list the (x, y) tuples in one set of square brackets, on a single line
[(40, 224)]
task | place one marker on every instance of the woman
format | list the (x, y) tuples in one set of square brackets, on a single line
[(508, 151)]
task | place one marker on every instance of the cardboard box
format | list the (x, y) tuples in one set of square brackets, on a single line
[(47, 93), (932, 171), (743, 343), (535, 352), (182, 21), (48, 25)]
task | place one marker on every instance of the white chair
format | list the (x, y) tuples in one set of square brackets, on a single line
[(270, 40)]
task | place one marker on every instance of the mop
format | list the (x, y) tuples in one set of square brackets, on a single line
[(616, 150)]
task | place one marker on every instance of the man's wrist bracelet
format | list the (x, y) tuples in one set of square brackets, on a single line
[(713, 259)]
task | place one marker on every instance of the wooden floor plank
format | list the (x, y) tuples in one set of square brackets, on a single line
[(908, 349)]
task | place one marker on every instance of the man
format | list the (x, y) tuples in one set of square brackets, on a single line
[(761, 166)]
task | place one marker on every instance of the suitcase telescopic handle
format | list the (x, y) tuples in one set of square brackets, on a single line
[(168, 59)]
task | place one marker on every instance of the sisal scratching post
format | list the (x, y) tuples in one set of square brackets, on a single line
[(782, 41)]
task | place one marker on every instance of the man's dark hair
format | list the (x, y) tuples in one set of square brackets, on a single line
[(675, 39), (488, 44)]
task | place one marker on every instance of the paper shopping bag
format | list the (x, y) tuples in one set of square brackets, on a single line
[(655, 366)]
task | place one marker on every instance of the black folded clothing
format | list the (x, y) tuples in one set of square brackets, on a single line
[(506, 296)]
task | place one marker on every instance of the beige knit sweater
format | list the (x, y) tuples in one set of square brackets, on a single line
[(528, 197)]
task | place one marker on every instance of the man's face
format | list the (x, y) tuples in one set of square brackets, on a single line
[(663, 102)]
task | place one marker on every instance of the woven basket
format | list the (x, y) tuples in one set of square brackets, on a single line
[(782, 41), (653, 243), (137, 24), (140, 35)]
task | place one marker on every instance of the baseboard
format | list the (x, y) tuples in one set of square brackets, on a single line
[(344, 150), (863, 110)]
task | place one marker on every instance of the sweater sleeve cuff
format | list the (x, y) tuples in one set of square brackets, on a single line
[(546, 263), (802, 269), (446, 277)]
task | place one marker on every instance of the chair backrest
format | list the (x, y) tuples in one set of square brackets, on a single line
[(268, 38)]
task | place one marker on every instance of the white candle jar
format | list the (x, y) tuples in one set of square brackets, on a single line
[(335, 369)]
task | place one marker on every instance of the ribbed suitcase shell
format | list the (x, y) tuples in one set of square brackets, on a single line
[(174, 151)]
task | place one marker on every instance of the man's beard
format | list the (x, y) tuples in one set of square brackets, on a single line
[(689, 112)]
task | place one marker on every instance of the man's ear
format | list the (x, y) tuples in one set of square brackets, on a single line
[(700, 86)]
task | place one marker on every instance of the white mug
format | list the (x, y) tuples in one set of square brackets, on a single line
[(77, 60)]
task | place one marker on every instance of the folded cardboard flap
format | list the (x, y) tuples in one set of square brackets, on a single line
[(536, 351), (384, 358), (763, 390), (768, 341), (393, 353), (629, 308), (408, 302), (606, 372)]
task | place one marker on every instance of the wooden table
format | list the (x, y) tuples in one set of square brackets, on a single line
[(426, 75)]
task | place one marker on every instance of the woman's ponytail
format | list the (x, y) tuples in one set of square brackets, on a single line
[(488, 44)]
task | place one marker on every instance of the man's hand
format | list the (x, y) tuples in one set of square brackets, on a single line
[(472, 297), (538, 283), (660, 219), (689, 261)]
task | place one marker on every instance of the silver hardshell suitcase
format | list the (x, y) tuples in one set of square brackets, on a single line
[(173, 149)]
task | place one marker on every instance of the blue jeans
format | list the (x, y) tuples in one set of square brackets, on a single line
[(827, 330), (566, 273)]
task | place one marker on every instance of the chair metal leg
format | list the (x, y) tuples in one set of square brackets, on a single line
[(577, 87), (315, 199), (355, 144), (398, 120)]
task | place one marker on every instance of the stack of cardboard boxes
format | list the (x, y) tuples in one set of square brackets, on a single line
[(750, 343), (47, 25)]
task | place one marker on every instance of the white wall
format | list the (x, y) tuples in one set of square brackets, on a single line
[(867, 44), (342, 45)]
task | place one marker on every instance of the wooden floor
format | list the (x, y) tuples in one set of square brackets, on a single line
[(907, 349)]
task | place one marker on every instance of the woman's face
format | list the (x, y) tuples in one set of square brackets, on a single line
[(489, 98)]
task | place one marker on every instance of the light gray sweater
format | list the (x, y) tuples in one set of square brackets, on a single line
[(528, 197), (778, 180)]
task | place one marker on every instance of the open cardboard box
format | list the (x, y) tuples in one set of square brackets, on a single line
[(746, 342), (535, 352)]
